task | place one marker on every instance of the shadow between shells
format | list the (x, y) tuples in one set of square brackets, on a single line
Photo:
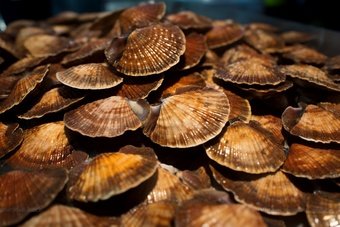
[(139, 117)]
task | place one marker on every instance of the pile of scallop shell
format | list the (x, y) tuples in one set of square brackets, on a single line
[(137, 117)]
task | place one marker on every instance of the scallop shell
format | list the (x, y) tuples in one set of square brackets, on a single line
[(52, 101), (10, 137), (312, 162), (195, 49), (271, 193), (109, 117), (313, 123), (190, 20), (246, 147), (262, 26), (109, 174), (297, 36), (23, 192), (304, 54), (61, 215), (224, 33), (143, 13), (189, 119), (46, 146), (23, 87), (265, 42), (311, 74), (250, 72), (169, 188), (158, 214), (192, 214), (46, 45), (152, 50), (21, 65), (94, 76), (323, 209)]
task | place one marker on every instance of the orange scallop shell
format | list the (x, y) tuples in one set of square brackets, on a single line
[(109, 117), (152, 50), (246, 147), (189, 119), (272, 193), (23, 192), (109, 174), (46, 146)]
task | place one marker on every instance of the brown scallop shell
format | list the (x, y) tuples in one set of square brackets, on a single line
[(24, 87), (195, 49), (52, 101), (23, 192), (46, 45), (109, 174), (94, 76), (323, 209), (169, 188), (196, 214), (312, 162), (261, 26), (246, 147), (312, 123), (297, 36), (197, 179), (89, 53), (303, 54), (11, 136), (61, 215), (190, 119), (272, 193), (188, 19), (141, 14), (265, 42), (158, 214), (135, 88), (21, 65), (151, 50), (313, 75), (109, 117), (224, 33), (46, 146), (271, 123), (250, 72)]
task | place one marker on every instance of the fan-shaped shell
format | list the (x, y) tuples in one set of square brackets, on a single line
[(312, 162), (22, 65), (304, 54), (313, 124), (169, 188), (61, 215), (46, 146), (188, 19), (224, 33), (10, 137), (23, 87), (141, 14), (250, 72), (246, 147), (109, 117), (152, 50), (54, 100), (158, 214), (23, 192), (190, 119), (265, 42), (109, 174), (93, 76), (271, 193)]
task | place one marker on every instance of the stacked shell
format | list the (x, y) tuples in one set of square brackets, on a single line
[(143, 108)]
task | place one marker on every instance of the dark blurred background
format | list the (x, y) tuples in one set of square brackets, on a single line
[(311, 12)]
